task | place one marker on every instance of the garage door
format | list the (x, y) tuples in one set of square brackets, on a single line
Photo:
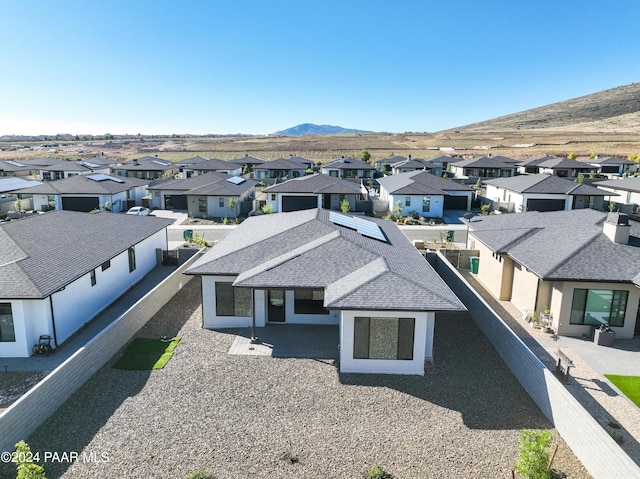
[(455, 202), (545, 205), (78, 203), (175, 202), (297, 203)]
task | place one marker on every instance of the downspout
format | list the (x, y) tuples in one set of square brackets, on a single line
[(254, 338), (53, 321)]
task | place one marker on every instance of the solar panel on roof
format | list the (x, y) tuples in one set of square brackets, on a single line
[(157, 162), (15, 163), (369, 229), (364, 227), (103, 177), (236, 180), (88, 164)]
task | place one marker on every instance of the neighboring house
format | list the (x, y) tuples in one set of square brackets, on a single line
[(321, 267), (204, 196), (210, 164), (542, 192), (303, 161), (147, 168), (624, 191), (190, 164), (611, 166), (247, 163), (61, 268), (424, 193), (413, 164), (484, 167), (8, 188), (384, 165), (583, 266), (66, 169), (349, 168), (14, 168), (88, 193), (281, 168), (530, 166), (564, 168), (314, 191)]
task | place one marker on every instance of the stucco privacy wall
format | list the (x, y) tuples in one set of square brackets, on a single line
[(31, 410), (592, 445)]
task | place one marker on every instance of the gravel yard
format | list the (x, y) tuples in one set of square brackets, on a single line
[(256, 416)]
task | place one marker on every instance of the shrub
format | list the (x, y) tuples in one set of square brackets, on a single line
[(345, 206), (377, 472), (533, 454), (267, 209), (201, 474), (484, 209), (571, 156), (27, 470)]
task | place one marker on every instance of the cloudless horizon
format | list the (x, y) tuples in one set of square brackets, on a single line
[(201, 67)]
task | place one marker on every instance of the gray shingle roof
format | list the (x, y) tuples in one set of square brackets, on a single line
[(82, 184), (147, 163), (214, 164), (347, 163), (561, 245), (545, 183), (563, 163), (280, 164), (209, 184), (486, 162), (609, 160), (248, 160), (305, 249), (420, 183), (42, 253), (625, 184), (315, 184)]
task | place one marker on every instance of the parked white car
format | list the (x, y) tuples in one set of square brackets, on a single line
[(139, 211)]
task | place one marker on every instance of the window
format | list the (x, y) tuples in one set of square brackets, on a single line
[(7, 333), (426, 204), (407, 201), (132, 259), (273, 196), (221, 202), (231, 301), (309, 301), (46, 175), (92, 275), (598, 306), (202, 204), (122, 173), (139, 174), (106, 265), (51, 201), (383, 338)]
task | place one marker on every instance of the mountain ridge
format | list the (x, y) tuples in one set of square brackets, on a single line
[(313, 129)]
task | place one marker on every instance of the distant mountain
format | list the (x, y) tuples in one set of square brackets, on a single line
[(616, 109), (311, 129)]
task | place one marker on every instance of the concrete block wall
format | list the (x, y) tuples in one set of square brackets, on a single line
[(593, 446), (27, 414)]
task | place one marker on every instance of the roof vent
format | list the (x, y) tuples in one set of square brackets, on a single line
[(617, 228), (409, 157), (135, 162)]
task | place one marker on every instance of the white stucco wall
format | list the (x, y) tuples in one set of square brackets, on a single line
[(436, 208), (422, 344), (210, 319)]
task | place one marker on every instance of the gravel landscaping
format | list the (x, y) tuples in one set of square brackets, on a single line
[(257, 416)]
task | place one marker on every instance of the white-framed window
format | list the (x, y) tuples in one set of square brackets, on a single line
[(7, 331)]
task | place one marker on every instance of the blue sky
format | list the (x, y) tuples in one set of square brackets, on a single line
[(256, 67)]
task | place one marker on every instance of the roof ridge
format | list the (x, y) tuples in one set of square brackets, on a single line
[(593, 237), (382, 267)]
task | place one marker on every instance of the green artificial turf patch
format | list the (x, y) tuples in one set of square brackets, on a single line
[(629, 385), (144, 354)]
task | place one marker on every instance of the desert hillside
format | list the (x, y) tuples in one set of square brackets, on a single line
[(613, 110)]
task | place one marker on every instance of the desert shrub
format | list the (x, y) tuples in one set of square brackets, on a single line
[(201, 474), (533, 454), (377, 472)]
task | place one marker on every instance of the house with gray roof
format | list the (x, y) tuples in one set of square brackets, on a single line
[(346, 167), (580, 266), (530, 165), (542, 192), (8, 188), (625, 192), (247, 163), (87, 193), (147, 168), (197, 167), (413, 164), (611, 166), (484, 167), (424, 193), (14, 168), (564, 168), (282, 168), (314, 191), (82, 263), (208, 195), (325, 268)]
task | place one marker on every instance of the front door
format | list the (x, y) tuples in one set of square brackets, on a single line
[(275, 305)]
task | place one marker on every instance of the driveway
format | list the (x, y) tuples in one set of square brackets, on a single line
[(243, 416)]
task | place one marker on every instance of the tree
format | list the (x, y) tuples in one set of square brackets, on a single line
[(365, 156), (397, 211), (345, 206), (571, 156), (233, 201), (27, 469), (479, 183)]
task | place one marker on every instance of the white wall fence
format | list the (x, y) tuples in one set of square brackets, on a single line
[(27, 414), (591, 444)]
